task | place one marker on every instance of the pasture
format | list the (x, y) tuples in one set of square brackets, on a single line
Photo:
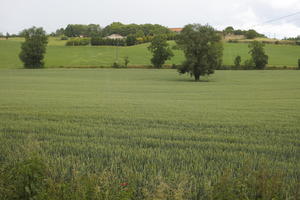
[(59, 55), (150, 123)]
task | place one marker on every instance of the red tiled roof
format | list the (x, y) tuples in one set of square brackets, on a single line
[(176, 29)]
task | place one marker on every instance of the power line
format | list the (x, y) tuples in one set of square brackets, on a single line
[(277, 19)]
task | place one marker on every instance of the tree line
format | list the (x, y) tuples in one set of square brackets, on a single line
[(202, 47)]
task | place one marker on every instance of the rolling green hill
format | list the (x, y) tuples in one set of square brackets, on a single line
[(87, 56)]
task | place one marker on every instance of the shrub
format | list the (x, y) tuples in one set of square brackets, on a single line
[(126, 61), (299, 63), (78, 42), (249, 64), (237, 61), (64, 38), (116, 65)]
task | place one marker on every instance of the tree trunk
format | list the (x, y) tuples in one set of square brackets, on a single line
[(197, 77)]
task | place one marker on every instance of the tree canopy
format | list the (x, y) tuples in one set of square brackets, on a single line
[(34, 47), (202, 48), (161, 51), (258, 54)]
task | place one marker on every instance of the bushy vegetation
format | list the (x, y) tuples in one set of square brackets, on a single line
[(31, 178), (78, 42), (237, 61), (34, 48)]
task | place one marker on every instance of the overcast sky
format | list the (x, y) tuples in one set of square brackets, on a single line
[(16, 15)]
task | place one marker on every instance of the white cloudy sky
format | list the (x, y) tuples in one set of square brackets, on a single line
[(16, 15)]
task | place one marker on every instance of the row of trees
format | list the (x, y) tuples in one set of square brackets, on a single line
[(259, 59), (91, 30), (249, 34)]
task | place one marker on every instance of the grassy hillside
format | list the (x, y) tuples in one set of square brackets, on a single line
[(151, 123), (60, 55)]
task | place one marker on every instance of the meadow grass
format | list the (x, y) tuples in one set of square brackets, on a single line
[(151, 123), (59, 55)]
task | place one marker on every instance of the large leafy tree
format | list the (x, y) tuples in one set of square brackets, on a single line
[(34, 48), (160, 50), (258, 54), (202, 48)]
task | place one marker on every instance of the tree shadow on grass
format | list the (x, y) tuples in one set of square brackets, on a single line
[(191, 80)]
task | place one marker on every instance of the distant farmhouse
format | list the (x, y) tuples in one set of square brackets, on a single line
[(115, 37), (177, 30)]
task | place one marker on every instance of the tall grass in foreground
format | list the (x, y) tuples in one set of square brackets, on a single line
[(32, 179)]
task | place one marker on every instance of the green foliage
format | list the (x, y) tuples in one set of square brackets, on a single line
[(24, 180), (251, 34), (64, 38), (126, 61), (202, 48), (249, 64), (77, 30), (160, 50), (237, 61), (258, 54), (299, 63), (131, 40), (135, 29), (78, 42), (228, 30), (34, 48)]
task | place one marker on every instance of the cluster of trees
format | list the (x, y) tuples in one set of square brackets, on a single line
[(259, 59), (139, 31), (77, 30), (249, 34)]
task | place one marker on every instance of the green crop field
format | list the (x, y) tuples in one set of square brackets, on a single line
[(150, 123), (90, 56)]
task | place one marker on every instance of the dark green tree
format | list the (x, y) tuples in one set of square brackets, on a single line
[(202, 48), (251, 34), (228, 30), (161, 51), (258, 54), (237, 61), (299, 63), (130, 40), (34, 48)]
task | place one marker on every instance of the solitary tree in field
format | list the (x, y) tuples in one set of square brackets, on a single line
[(160, 50), (34, 48), (202, 48), (258, 54)]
